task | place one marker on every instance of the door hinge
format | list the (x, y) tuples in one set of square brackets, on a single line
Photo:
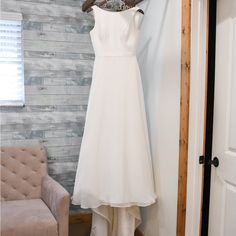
[(201, 159)]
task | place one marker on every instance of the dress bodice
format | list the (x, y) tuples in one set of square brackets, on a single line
[(115, 33)]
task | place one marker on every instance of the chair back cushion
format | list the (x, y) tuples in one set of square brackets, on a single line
[(22, 169)]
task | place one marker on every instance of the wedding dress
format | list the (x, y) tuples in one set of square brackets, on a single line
[(115, 169)]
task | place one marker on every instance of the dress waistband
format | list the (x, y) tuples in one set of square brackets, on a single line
[(115, 55)]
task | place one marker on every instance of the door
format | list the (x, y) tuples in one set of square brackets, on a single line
[(222, 216)]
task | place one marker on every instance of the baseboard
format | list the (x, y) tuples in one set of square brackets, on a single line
[(81, 218)]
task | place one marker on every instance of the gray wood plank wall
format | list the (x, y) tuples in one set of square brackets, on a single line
[(58, 68)]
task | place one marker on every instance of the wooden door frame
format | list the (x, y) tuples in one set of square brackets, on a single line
[(184, 115)]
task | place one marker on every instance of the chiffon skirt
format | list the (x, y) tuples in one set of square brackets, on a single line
[(114, 167)]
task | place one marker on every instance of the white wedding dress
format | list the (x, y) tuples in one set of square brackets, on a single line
[(114, 175)]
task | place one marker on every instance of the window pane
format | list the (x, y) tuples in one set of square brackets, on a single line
[(11, 63)]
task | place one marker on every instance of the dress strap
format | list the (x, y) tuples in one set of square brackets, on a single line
[(136, 17), (94, 7), (95, 17)]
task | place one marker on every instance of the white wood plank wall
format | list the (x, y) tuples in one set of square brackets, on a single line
[(58, 70)]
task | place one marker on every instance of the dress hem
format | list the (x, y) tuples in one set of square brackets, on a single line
[(113, 204)]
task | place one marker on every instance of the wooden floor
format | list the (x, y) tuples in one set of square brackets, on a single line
[(80, 225)]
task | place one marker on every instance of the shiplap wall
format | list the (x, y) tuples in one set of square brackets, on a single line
[(58, 64)]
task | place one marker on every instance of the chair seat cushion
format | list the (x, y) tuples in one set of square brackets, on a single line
[(27, 218)]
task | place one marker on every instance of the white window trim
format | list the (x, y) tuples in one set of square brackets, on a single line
[(17, 17), (10, 16)]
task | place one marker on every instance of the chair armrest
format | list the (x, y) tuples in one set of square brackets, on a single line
[(58, 201)]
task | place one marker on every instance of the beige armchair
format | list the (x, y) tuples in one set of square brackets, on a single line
[(32, 203)]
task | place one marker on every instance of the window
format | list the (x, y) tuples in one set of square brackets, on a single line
[(11, 60)]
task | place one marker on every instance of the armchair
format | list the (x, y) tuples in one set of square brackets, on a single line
[(32, 203)]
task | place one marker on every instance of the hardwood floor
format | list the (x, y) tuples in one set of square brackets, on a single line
[(80, 225)]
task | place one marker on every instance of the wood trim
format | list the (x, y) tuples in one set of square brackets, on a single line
[(87, 218), (184, 115)]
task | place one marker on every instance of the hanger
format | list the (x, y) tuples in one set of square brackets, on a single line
[(86, 7)]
